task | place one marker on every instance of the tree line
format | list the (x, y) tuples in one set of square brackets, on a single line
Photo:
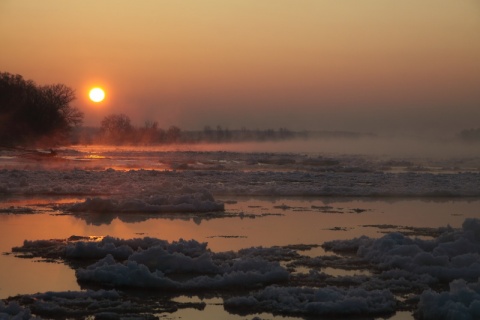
[(32, 114), (35, 114), (118, 129), (470, 135)]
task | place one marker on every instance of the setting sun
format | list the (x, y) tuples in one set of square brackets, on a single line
[(97, 94)]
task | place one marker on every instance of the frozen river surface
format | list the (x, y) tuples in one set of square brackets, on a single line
[(114, 233)]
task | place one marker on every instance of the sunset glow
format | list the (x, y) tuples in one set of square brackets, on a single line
[(97, 94), (331, 65)]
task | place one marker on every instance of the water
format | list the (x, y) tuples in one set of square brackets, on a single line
[(250, 221)]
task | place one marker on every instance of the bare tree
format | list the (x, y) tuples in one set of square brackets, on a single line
[(149, 133), (29, 113), (116, 128), (173, 134)]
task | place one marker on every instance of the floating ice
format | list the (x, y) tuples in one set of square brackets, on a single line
[(462, 301), (309, 301), (241, 274), (454, 254), (139, 184), (101, 304), (12, 310), (196, 202), (85, 248), (157, 258), (147, 262), (405, 265)]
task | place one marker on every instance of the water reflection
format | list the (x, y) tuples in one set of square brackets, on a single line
[(248, 222), (106, 218)]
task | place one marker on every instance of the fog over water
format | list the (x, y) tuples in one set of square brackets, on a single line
[(335, 142), (393, 146)]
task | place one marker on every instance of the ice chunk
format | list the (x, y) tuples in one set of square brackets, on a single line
[(89, 304), (453, 255), (308, 301), (196, 202), (157, 258), (462, 301), (12, 310), (95, 250), (242, 274)]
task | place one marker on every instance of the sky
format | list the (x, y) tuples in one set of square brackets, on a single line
[(383, 66)]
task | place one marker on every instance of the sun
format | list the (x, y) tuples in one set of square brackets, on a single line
[(96, 94)]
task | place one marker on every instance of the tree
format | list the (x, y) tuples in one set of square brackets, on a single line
[(116, 128), (149, 133), (31, 113), (173, 134), (470, 135)]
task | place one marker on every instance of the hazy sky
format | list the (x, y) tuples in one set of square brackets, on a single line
[(369, 65)]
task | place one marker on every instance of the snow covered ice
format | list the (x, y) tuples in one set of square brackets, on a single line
[(253, 174), (194, 202), (267, 183), (418, 269), (331, 301)]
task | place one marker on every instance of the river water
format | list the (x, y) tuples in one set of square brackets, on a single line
[(248, 220)]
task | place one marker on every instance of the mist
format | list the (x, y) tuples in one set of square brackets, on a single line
[(390, 147), (435, 121), (283, 140)]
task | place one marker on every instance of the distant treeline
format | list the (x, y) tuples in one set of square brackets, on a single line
[(42, 115), (117, 129), (471, 135)]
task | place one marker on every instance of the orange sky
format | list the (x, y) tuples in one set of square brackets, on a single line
[(370, 65)]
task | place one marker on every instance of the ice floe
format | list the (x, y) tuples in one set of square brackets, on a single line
[(193, 202), (101, 304), (142, 184), (462, 301), (328, 301), (394, 272), (452, 255), (13, 310), (240, 275)]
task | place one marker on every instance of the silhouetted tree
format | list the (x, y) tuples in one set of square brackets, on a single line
[(149, 133), (471, 135), (116, 128), (173, 134), (30, 113), (149, 124), (208, 133)]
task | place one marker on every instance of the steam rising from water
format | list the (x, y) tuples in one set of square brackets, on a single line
[(377, 146), (397, 147)]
